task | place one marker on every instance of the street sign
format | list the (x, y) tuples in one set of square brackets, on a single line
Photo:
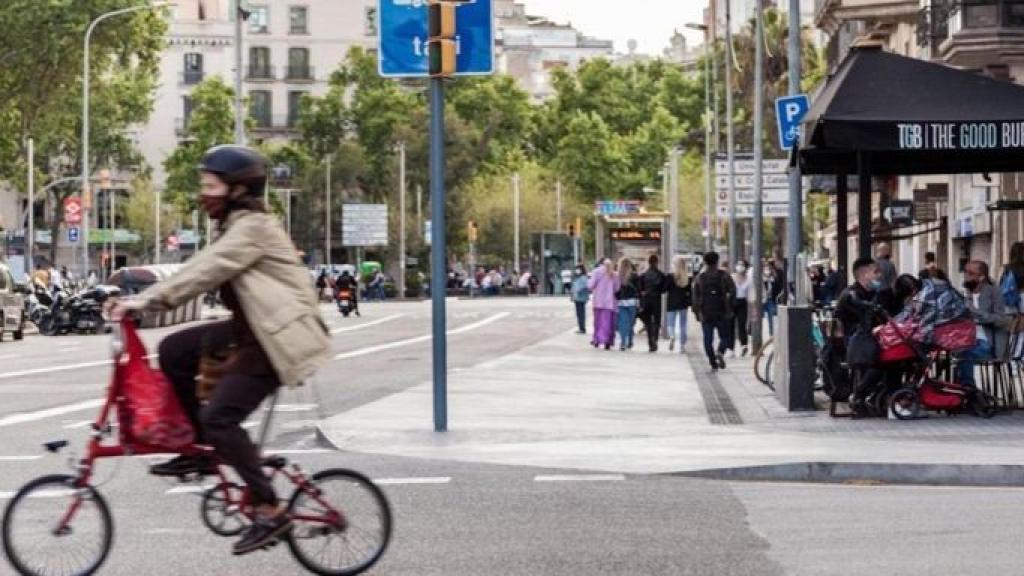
[(402, 38), (899, 212), (172, 243), (773, 180), (364, 225), (744, 211), (790, 111), (616, 207), (773, 166), (747, 196), (427, 229), (73, 233), (73, 210)]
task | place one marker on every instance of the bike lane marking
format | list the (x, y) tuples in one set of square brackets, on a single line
[(580, 478), (413, 480), (25, 417), (416, 340), (367, 324)]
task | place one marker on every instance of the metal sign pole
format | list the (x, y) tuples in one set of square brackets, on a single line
[(794, 232), (758, 226), (439, 272)]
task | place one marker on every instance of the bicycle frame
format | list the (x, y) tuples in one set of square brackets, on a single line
[(125, 446)]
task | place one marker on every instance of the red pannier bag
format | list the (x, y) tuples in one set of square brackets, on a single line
[(893, 338), (956, 336), (154, 416)]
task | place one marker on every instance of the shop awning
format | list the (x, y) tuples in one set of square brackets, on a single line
[(900, 115)]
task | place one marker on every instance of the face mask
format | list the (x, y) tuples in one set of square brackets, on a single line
[(875, 285), (971, 284), (740, 268), (214, 206)]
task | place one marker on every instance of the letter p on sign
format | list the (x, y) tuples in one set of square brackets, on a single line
[(790, 112)]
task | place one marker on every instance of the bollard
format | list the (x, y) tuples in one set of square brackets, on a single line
[(794, 358)]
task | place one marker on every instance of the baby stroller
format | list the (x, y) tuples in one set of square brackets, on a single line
[(915, 350)]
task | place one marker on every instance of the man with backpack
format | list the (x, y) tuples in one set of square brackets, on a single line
[(713, 294)]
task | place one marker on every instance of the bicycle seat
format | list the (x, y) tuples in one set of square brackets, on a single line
[(275, 462)]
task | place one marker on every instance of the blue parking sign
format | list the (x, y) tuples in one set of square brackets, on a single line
[(790, 112), (73, 234), (402, 38)]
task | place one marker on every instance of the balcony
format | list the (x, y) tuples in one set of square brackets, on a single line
[(830, 14), (180, 126), (260, 72), (274, 124), (190, 77), (300, 73), (982, 34)]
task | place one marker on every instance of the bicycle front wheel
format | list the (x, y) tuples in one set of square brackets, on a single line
[(54, 528), (342, 523), (763, 360)]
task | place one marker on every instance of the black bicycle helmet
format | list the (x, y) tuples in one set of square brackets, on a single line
[(238, 167)]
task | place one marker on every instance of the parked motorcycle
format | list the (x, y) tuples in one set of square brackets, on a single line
[(81, 312), (38, 301)]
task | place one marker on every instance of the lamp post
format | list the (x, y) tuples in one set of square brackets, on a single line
[(85, 120), (708, 56)]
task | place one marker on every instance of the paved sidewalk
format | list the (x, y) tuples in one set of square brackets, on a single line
[(563, 404)]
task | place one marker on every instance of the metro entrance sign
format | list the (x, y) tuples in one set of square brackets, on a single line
[(402, 38)]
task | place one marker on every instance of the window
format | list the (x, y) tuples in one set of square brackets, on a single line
[(980, 14), (259, 107), (297, 17), (1013, 13), (258, 20), (259, 62), (370, 21), (193, 68), (294, 103), (298, 64), (186, 114)]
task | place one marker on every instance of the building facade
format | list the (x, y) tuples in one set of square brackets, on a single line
[(289, 49)]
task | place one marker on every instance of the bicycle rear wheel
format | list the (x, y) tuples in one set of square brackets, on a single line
[(342, 523), (763, 360), (53, 528)]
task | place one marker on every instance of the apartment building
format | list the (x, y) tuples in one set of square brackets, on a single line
[(289, 48)]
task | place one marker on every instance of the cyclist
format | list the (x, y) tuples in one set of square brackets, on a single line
[(276, 335)]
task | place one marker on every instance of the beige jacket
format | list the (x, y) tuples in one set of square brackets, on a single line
[(255, 254)]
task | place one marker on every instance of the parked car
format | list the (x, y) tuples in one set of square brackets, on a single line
[(12, 305)]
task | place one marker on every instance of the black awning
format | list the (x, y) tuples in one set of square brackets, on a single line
[(910, 116)]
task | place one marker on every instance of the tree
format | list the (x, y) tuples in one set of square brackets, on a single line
[(210, 123), (140, 212), (594, 158)]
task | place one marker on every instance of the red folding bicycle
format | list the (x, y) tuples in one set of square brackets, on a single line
[(60, 525)]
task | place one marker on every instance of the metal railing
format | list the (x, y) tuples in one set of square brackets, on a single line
[(189, 77), (300, 72), (275, 122), (260, 72)]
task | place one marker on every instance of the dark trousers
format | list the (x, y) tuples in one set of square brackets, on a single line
[(581, 316), (651, 317), (740, 308), (234, 399), (709, 326)]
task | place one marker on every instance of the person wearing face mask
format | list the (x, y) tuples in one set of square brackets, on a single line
[(857, 308), (741, 278), (989, 313), (275, 336), (580, 296)]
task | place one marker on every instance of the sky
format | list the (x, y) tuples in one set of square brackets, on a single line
[(649, 22)]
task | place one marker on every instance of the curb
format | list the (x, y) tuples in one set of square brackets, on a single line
[(871, 472)]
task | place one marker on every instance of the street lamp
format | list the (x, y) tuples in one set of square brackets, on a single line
[(85, 119), (708, 55)]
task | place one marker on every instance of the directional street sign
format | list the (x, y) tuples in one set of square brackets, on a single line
[(73, 234), (402, 38), (773, 180), (768, 210), (746, 195), (775, 166), (790, 111), (364, 225)]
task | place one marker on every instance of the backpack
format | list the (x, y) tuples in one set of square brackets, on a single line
[(1009, 290), (836, 381)]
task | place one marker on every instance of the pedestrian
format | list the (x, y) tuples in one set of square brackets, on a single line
[(741, 279), (679, 291), (856, 310), (603, 285), (652, 286), (834, 281), (534, 282), (989, 313), (713, 295), (774, 283), (321, 284), (580, 295), (931, 268), (627, 299), (56, 280), (883, 259)]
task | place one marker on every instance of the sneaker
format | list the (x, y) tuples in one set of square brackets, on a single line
[(262, 533), (744, 350), (185, 465), (721, 361), (671, 344)]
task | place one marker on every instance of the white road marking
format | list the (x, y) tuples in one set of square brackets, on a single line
[(295, 407), (54, 493), (62, 368), (20, 458), (425, 338), (415, 480), (49, 412), (580, 478), (79, 424), (299, 451), (189, 489), (367, 324)]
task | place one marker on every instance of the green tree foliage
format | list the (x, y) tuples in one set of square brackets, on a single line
[(140, 212), (211, 123)]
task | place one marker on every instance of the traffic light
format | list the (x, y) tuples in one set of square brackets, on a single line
[(474, 232), (441, 41)]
